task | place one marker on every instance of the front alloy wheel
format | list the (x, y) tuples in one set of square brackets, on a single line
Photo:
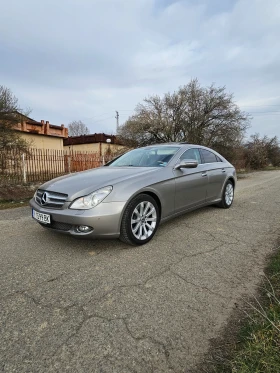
[(140, 220)]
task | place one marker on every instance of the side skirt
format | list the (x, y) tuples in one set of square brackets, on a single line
[(164, 220)]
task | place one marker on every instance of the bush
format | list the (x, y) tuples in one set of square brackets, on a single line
[(261, 152)]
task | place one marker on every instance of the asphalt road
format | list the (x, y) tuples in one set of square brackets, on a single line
[(101, 306)]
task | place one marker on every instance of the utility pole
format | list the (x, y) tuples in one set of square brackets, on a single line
[(117, 117)]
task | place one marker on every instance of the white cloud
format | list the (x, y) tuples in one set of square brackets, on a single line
[(75, 59)]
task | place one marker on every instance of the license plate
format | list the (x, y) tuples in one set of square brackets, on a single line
[(42, 218)]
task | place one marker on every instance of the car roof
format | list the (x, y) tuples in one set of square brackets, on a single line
[(180, 144)]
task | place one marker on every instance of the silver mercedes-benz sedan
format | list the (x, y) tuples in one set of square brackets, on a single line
[(128, 197)]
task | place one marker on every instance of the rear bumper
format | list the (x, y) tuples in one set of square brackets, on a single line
[(105, 219)]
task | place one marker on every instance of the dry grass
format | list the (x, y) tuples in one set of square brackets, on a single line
[(15, 196)]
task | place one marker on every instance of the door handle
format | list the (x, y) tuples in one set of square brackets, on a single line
[(204, 174), (223, 170)]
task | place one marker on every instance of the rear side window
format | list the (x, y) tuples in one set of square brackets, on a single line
[(191, 154), (208, 157)]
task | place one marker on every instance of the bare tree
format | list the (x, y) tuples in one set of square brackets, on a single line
[(77, 128), (273, 151), (194, 114), (10, 115), (262, 151)]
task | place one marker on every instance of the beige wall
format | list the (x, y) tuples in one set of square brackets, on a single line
[(43, 141), (94, 147)]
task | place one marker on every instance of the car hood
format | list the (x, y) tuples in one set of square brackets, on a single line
[(82, 183)]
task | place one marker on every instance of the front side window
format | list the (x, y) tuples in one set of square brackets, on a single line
[(208, 157), (191, 154), (156, 156)]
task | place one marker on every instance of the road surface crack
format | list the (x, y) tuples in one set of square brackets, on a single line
[(202, 287), (159, 344)]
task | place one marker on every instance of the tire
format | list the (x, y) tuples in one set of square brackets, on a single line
[(140, 220), (228, 195)]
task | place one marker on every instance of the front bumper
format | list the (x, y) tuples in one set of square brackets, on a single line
[(105, 219)]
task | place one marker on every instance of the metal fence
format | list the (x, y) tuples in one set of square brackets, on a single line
[(36, 165)]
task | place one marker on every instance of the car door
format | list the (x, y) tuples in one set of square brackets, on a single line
[(216, 172), (190, 183)]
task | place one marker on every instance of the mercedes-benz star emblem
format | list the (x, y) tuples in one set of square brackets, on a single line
[(44, 198)]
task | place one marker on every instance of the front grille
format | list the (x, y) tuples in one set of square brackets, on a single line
[(57, 225), (50, 199)]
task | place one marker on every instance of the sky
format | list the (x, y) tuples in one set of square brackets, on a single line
[(84, 59)]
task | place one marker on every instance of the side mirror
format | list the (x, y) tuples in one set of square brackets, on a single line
[(186, 163)]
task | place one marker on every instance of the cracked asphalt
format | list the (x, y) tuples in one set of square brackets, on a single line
[(101, 306)]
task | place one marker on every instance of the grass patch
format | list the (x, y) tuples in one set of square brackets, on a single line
[(249, 170), (15, 196), (242, 175), (256, 346), (12, 204), (271, 168)]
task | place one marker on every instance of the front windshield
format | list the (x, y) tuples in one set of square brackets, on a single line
[(156, 156)]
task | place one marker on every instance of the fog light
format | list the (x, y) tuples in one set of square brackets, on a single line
[(84, 228)]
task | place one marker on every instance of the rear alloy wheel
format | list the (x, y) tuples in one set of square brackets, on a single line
[(228, 195), (140, 220)]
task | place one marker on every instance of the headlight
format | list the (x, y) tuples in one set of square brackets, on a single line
[(91, 200)]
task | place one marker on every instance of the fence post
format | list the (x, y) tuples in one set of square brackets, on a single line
[(24, 168), (69, 163)]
